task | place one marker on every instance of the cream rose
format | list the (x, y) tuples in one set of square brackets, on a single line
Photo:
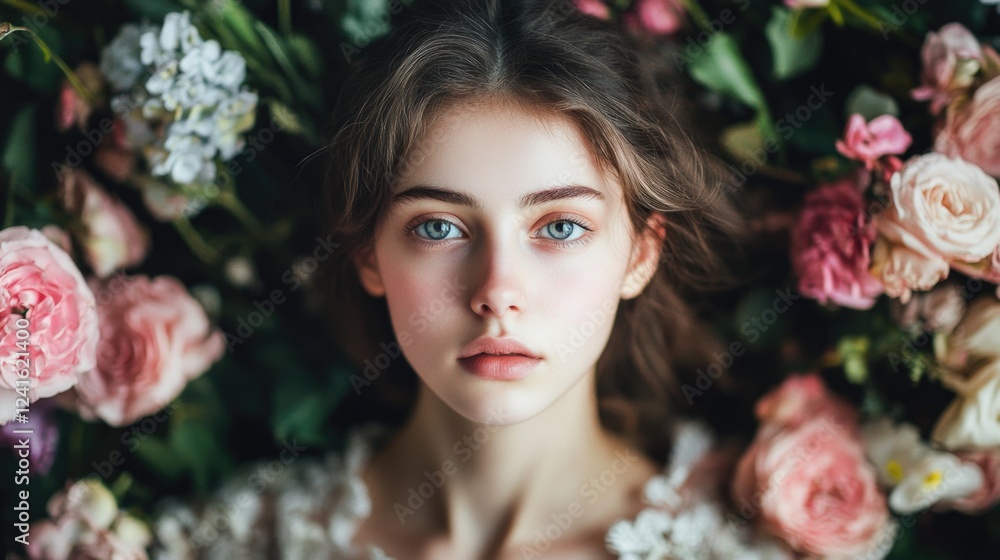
[(973, 421), (974, 341), (902, 270), (949, 204)]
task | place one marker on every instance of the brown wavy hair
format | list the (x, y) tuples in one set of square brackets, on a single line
[(545, 55)]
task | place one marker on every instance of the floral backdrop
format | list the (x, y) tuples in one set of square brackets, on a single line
[(160, 302)]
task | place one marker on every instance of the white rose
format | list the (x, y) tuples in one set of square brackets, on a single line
[(975, 340), (973, 422), (949, 204)]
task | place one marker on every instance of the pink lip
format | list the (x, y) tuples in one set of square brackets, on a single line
[(505, 367)]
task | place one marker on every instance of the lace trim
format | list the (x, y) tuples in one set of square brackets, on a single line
[(313, 510)]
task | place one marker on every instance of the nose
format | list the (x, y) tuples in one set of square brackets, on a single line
[(498, 290)]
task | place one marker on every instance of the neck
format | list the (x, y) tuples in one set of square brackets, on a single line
[(490, 486)]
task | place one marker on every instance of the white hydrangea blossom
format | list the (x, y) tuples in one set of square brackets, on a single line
[(120, 61), (191, 84)]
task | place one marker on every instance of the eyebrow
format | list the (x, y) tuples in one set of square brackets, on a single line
[(422, 192)]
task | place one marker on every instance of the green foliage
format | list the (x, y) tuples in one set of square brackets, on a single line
[(792, 54)]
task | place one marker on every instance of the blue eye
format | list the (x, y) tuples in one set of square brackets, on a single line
[(439, 232), (567, 228), (561, 230)]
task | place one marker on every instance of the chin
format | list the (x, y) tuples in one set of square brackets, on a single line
[(496, 405)]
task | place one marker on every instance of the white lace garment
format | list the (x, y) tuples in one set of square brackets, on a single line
[(310, 509)]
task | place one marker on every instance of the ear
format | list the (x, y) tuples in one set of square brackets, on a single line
[(645, 257), (369, 273)]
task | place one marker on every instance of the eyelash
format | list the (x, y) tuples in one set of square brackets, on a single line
[(411, 230)]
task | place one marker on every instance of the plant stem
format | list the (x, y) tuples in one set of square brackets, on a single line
[(285, 17), (228, 200), (70, 75), (24, 6), (698, 14), (198, 246)]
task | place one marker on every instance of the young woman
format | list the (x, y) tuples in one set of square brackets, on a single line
[(518, 215)]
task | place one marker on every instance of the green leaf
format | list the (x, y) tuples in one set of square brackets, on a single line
[(365, 20), (154, 10), (869, 103), (232, 22), (277, 49), (791, 55), (19, 150), (306, 54), (805, 22), (743, 141), (197, 447), (721, 67), (160, 457), (301, 413)]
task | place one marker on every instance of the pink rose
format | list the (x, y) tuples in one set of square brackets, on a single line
[(951, 57), (947, 204), (830, 247), (988, 495), (43, 294), (110, 235), (154, 339), (799, 398), (73, 108), (812, 486), (972, 130), (594, 8), (868, 142), (655, 17)]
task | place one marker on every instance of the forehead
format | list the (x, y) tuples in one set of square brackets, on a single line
[(503, 149)]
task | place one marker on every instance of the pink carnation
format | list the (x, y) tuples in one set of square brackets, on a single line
[(951, 57), (42, 293), (868, 142), (154, 339), (831, 247), (655, 17), (805, 477), (972, 131)]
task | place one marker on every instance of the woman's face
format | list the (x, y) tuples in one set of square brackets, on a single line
[(459, 257)]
